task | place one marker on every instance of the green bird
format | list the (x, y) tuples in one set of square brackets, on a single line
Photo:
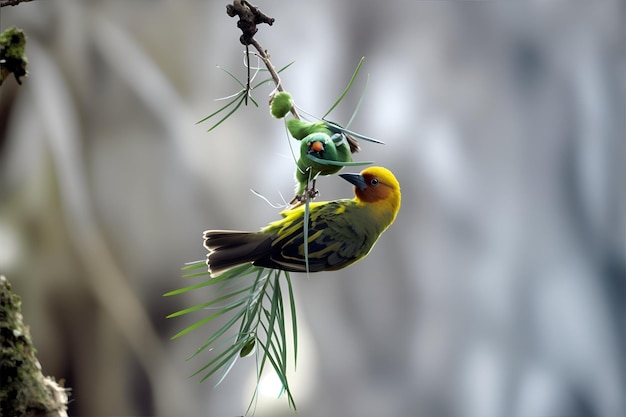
[(300, 129), (320, 154), (324, 150)]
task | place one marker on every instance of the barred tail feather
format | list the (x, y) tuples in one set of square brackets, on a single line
[(229, 248)]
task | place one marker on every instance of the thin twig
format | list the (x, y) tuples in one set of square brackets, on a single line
[(268, 64), (249, 17), (248, 67)]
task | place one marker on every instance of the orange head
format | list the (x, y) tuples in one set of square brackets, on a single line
[(377, 188)]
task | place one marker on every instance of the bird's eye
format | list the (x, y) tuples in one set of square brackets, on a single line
[(374, 181)]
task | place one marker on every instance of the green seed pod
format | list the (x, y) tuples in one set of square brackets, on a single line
[(248, 348), (281, 104)]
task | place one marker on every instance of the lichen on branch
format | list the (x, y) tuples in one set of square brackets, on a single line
[(12, 54), (24, 390)]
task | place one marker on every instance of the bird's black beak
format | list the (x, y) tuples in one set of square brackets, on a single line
[(356, 179)]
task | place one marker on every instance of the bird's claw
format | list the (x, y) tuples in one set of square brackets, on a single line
[(307, 194)]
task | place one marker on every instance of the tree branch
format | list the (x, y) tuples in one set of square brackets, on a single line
[(24, 390), (249, 17), (12, 2)]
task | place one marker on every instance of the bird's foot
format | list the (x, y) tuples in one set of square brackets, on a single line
[(307, 194)]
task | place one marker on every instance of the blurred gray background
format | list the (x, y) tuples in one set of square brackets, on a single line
[(499, 291)]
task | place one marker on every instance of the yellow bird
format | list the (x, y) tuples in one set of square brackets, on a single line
[(340, 232)]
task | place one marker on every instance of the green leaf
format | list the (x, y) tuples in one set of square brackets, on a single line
[(233, 77), (210, 303), (278, 296), (230, 274), (358, 105), (337, 163), (220, 360), (189, 288), (306, 227), (243, 98), (334, 127), (205, 320), (348, 87), (294, 321), (218, 333), (257, 315), (221, 108), (193, 265), (239, 98), (226, 370), (281, 376)]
